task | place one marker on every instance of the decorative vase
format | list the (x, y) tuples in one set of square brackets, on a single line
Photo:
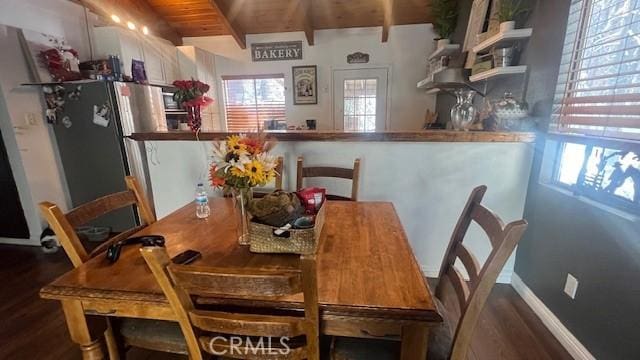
[(503, 57), (241, 199), (442, 43), (194, 117), (463, 113), (507, 26), (509, 112)]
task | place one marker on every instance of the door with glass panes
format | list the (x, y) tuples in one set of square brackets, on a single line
[(360, 99)]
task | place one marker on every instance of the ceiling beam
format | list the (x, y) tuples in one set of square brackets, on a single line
[(307, 20), (228, 20), (388, 18), (137, 11)]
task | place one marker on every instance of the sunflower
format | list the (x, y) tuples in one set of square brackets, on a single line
[(255, 172), (235, 145)]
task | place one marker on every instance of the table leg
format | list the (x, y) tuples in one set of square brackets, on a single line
[(415, 339), (80, 331)]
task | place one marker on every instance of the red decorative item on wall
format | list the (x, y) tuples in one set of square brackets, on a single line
[(58, 63), (190, 96)]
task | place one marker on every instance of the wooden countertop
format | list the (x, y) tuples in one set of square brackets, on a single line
[(404, 136)]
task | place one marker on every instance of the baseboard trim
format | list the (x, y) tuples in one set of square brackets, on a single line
[(503, 278), (559, 331), (26, 242)]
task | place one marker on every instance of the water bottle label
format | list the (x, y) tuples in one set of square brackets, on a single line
[(201, 200)]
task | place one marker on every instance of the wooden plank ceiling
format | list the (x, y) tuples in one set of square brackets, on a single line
[(192, 18)]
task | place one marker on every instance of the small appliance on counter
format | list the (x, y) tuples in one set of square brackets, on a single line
[(275, 124)]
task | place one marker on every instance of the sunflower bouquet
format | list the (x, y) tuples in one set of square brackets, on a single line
[(242, 162)]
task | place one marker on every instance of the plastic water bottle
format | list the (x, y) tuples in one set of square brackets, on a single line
[(202, 202)]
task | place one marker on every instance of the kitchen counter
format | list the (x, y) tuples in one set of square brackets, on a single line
[(400, 136), (427, 175)]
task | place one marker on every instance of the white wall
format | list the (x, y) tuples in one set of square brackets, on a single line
[(405, 54), (31, 149), (428, 183)]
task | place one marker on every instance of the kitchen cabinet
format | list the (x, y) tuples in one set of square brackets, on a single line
[(195, 63), (159, 55)]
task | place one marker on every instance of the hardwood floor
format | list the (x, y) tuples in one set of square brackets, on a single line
[(34, 328)]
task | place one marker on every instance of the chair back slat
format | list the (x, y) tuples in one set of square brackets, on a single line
[(330, 172), (215, 281), (325, 171), (470, 263), (247, 324), (473, 295), (99, 207), (490, 223), (64, 225)]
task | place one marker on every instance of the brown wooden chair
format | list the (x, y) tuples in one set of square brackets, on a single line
[(64, 227), (278, 181), (331, 172), (211, 331), (461, 301)]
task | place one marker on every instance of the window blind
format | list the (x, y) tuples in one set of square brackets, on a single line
[(598, 90), (251, 100)]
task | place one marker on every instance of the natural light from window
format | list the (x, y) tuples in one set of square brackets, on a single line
[(360, 104)]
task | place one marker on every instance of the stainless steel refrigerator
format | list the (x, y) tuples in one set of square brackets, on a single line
[(91, 135)]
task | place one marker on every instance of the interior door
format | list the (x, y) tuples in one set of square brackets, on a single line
[(360, 99), (12, 222)]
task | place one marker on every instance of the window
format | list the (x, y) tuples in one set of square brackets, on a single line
[(608, 174), (598, 90), (252, 100), (360, 104)]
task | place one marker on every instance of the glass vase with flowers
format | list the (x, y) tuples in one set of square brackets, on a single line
[(239, 164), (191, 96)]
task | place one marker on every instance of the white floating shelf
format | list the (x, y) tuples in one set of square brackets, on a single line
[(499, 71), (425, 83), (503, 38), (447, 50)]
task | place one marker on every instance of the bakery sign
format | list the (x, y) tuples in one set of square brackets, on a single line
[(275, 51)]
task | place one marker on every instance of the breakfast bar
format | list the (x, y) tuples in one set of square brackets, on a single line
[(426, 175)]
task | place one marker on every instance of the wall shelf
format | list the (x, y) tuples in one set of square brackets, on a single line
[(447, 50), (503, 38), (500, 71)]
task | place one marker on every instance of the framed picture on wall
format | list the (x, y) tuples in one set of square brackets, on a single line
[(305, 85)]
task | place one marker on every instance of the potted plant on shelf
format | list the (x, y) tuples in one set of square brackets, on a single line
[(508, 10), (446, 17)]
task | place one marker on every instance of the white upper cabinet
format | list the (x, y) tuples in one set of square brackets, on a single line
[(195, 63), (159, 55)]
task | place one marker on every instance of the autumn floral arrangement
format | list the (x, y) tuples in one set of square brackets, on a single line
[(239, 164), (191, 96)]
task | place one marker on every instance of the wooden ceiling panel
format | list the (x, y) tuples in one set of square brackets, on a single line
[(191, 17), (266, 16), (412, 12), (337, 14), (240, 17)]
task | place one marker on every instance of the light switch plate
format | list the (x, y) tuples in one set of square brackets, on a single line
[(571, 286)]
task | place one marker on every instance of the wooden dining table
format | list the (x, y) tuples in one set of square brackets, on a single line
[(370, 285)]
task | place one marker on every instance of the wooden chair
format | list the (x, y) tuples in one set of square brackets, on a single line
[(278, 182), (461, 301), (210, 331), (64, 227), (332, 172), (64, 224)]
